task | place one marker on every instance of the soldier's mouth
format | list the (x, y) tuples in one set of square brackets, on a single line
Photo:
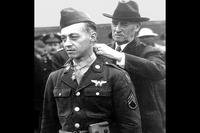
[(70, 50), (118, 35)]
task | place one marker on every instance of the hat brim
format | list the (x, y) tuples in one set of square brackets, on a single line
[(132, 19)]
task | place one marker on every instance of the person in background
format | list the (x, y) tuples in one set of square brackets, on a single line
[(144, 63), (59, 58), (52, 41), (147, 36), (38, 83), (87, 95), (45, 46)]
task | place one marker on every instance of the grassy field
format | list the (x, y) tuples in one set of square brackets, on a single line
[(104, 29)]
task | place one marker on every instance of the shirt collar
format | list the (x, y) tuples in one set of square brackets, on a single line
[(122, 46), (86, 62)]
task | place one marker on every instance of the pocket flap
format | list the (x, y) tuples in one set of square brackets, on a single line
[(97, 91), (59, 92)]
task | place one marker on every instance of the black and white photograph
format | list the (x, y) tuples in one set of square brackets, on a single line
[(99, 66)]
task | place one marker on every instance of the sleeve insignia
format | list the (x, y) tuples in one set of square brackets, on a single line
[(128, 78), (132, 101)]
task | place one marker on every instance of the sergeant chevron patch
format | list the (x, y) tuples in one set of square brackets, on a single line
[(132, 101)]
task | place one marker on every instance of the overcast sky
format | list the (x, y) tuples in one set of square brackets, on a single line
[(47, 12)]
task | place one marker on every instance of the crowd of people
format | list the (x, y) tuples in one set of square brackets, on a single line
[(82, 86)]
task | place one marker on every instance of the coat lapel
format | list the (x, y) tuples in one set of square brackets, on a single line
[(131, 48), (67, 78), (93, 73)]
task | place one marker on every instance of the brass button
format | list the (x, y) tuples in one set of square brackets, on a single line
[(97, 66), (78, 93), (77, 125), (76, 109), (97, 93)]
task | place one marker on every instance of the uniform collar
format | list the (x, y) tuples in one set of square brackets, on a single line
[(93, 73), (85, 63)]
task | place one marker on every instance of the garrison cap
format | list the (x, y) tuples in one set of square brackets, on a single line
[(71, 16)]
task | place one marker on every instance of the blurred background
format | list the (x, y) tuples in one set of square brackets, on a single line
[(47, 15), (47, 43)]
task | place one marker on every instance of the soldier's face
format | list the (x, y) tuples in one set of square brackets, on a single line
[(76, 41), (123, 31)]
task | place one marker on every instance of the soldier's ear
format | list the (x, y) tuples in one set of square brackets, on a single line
[(93, 37)]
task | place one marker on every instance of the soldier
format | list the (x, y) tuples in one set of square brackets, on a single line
[(52, 42), (57, 54), (88, 95), (144, 63), (59, 59), (45, 46)]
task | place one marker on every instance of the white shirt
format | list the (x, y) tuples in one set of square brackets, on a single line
[(122, 62)]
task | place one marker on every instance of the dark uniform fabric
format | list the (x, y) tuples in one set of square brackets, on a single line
[(43, 65), (105, 93), (42, 69), (148, 76), (59, 59)]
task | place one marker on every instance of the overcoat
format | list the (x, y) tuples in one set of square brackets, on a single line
[(146, 67)]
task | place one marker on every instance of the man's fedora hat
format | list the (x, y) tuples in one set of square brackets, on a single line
[(127, 11), (71, 16)]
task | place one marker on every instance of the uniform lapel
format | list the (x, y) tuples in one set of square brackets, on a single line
[(67, 79), (67, 76), (93, 73)]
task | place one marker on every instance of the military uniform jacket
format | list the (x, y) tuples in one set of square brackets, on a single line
[(105, 93), (146, 67)]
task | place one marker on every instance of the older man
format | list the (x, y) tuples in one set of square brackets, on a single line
[(88, 95), (145, 64)]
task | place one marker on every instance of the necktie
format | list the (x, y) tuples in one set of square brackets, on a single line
[(118, 48)]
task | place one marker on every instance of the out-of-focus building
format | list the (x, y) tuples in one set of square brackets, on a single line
[(103, 30)]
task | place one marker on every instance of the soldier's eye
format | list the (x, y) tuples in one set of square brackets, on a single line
[(63, 38), (73, 37)]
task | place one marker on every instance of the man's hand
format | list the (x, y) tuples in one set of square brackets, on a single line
[(105, 50)]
